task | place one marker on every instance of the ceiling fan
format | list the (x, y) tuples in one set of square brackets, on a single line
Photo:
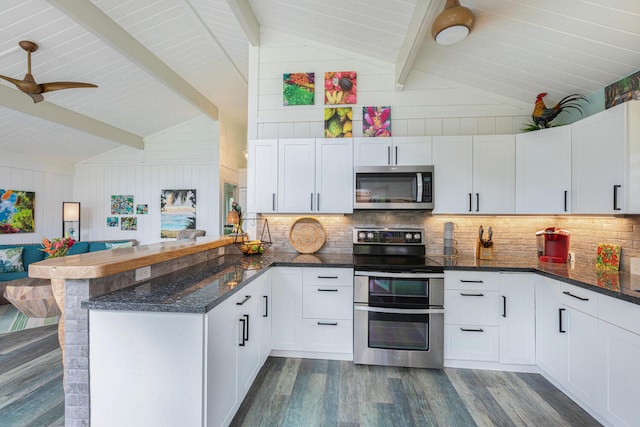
[(29, 86)]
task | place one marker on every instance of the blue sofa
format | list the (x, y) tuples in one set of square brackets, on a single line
[(32, 253)]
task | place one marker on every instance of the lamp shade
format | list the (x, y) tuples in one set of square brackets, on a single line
[(453, 24), (71, 211)]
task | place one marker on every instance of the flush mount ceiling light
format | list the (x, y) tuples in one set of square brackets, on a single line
[(453, 24)]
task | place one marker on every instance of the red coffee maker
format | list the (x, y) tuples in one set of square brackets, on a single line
[(553, 245)]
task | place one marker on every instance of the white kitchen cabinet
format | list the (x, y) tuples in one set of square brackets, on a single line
[(286, 322), (266, 315), (334, 176), (605, 161), (517, 319), (543, 171), (551, 338), (296, 175), (474, 174), (262, 176), (396, 151)]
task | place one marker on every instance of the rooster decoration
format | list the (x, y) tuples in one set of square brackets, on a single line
[(543, 116)]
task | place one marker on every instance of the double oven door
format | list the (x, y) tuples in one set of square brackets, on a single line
[(399, 319)]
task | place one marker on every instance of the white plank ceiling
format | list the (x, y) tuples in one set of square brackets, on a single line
[(160, 62)]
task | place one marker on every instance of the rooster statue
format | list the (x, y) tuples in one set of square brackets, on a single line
[(543, 116)]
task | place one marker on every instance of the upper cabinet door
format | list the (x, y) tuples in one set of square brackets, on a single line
[(296, 175), (453, 176), (412, 150), (605, 151), (543, 171), (262, 176), (494, 162), (334, 176), (372, 151)]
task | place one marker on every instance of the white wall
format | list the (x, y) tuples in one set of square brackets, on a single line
[(428, 105), (186, 156), (51, 188)]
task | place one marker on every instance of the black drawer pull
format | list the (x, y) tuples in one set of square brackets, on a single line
[(504, 306), (471, 281), (244, 326), (327, 290), (327, 277), (328, 323), (266, 306), (246, 298), (471, 295), (575, 296), (472, 330)]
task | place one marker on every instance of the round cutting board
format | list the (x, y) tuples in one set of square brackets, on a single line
[(307, 235)]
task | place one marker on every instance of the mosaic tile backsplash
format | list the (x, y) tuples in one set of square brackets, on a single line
[(512, 235)]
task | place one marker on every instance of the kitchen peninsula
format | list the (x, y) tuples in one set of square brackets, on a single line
[(199, 296)]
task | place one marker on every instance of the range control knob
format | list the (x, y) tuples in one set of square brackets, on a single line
[(416, 236), (407, 236), (362, 235), (370, 235)]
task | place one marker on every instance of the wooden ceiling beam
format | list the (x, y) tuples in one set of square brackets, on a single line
[(247, 20), (421, 18), (95, 20), (18, 101)]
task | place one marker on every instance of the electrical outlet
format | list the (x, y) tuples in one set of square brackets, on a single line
[(143, 273), (635, 265)]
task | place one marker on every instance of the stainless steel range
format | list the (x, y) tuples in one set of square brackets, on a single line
[(398, 299)]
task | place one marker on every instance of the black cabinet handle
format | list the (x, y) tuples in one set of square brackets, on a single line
[(615, 197), (311, 201), (396, 155), (469, 202), (504, 306), (246, 316), (575, 296), (471, 330), (471, 281), (562, 331), (266, 306), (244, 325), (388, 155), (327, 277), (477, 202), (318, 202), (273, 201), (246, 298), (327, 290), (328, 323), (471, 295), (565, 200)]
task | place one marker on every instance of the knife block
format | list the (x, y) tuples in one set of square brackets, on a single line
[(482, 252)]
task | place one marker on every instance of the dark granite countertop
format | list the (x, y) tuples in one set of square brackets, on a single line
[(200, 288)]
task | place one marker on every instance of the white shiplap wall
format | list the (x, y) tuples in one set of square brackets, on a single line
[(185, 156), (51, 190), (428, 105)]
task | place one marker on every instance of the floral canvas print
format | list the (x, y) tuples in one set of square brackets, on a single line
[(112, 221), (376, 121), (340, 87), (338, 122), (298, 88), (142, 209), (121, 205), (16, 211), (129, 223), (177, 211)]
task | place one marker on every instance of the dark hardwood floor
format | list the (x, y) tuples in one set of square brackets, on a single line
[(306, 392), (31, 378)]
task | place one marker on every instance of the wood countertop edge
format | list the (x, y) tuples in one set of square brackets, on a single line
[(94, 265)]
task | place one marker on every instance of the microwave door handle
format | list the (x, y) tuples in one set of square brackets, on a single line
[(420, 189)]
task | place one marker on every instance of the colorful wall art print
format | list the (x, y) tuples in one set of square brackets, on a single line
[(623, 90), (112, 221), (340, 87), (298, 88), (129, 223), (16, 211), (177, 211), (121, 205), (338, 122), (376, 121), (142, 209)]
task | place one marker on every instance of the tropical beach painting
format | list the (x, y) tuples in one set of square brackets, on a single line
[(177, 211), (16, 211)]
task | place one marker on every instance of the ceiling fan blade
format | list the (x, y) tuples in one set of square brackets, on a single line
[(36, 97), (12, 80), (48, 87)]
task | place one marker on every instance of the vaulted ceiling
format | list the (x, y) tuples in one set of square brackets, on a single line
[(160, 62)]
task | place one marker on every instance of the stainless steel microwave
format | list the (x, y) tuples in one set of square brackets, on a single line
[(393, 187)]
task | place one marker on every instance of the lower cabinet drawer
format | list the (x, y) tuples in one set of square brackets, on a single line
[(472, 307), (327, 335), (472, 342), (327, 302)]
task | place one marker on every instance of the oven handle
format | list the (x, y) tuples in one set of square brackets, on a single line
[(400, 275), (360, 307)]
